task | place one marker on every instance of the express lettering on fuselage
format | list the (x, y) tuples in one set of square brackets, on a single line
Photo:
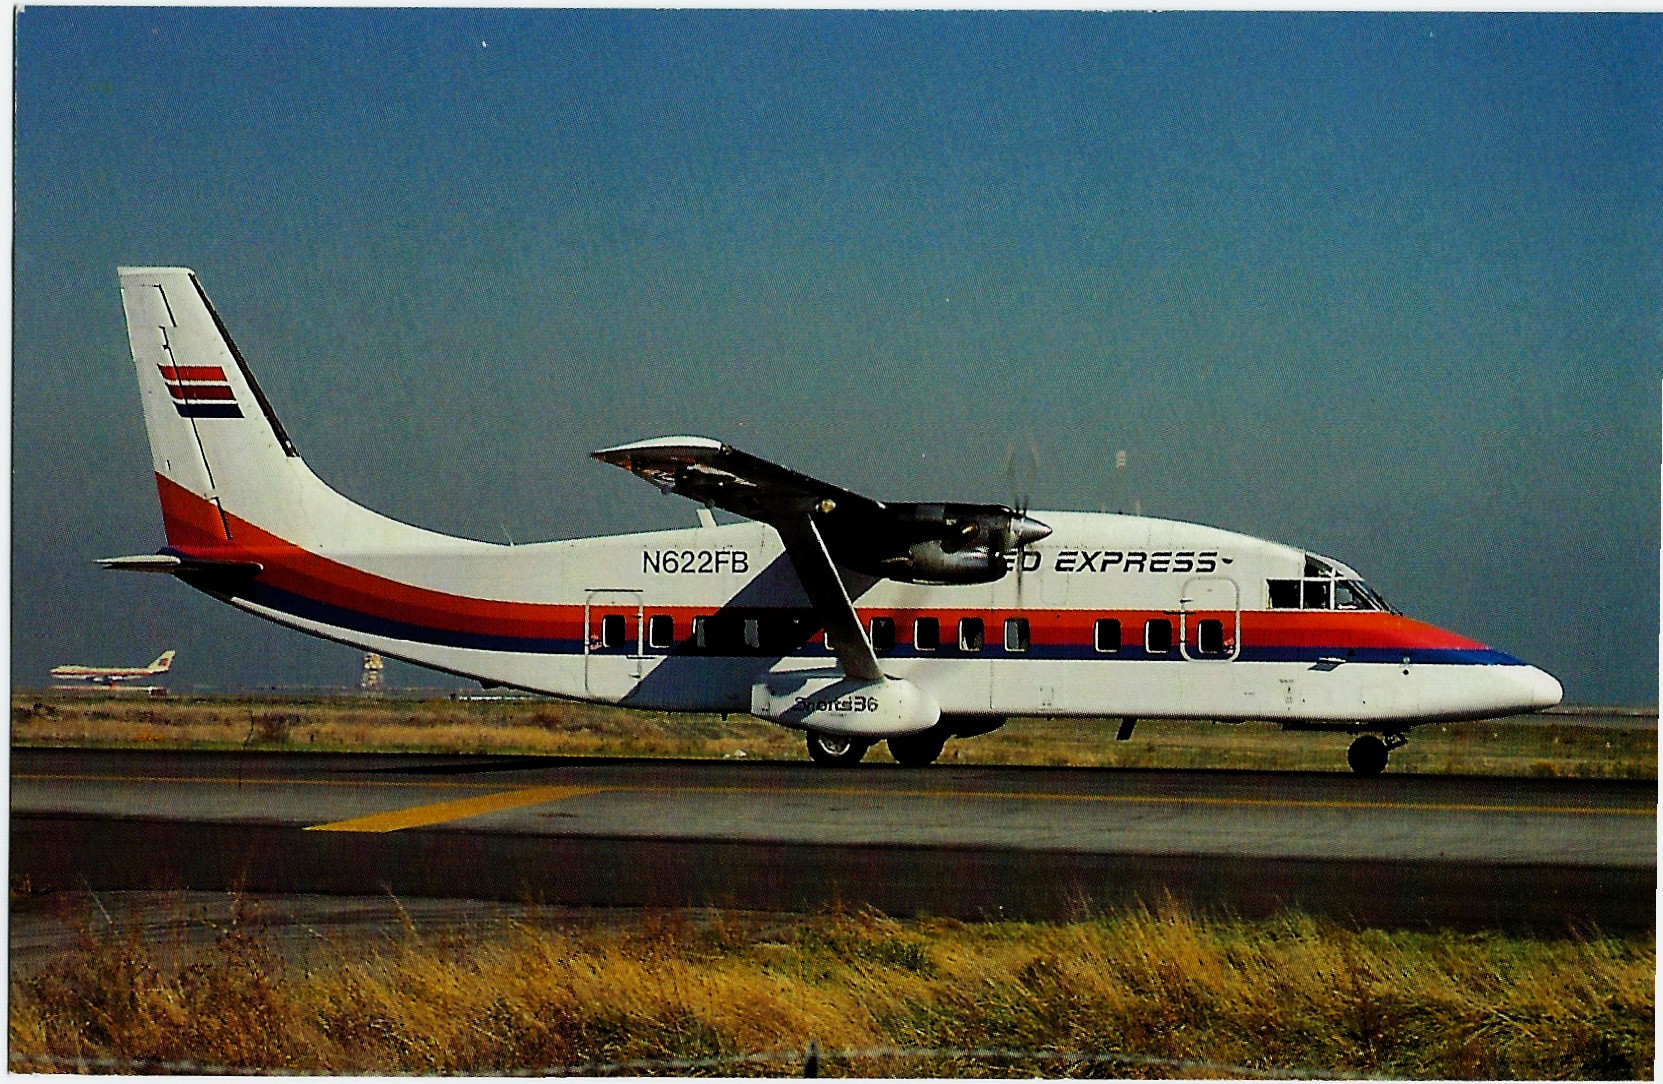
[(1155, 561)]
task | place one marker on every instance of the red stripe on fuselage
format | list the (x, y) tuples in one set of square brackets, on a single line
[(194, 527), (1339, 629)]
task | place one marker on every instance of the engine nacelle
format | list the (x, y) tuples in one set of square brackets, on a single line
[(933, 563), (939, 543), (827, 700)]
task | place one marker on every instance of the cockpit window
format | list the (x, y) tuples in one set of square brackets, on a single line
[(1375, 597), (1325, 593), (1346, 597), (1316, 566)]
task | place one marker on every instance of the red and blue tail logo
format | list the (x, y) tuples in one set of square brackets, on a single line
[(200, 391)]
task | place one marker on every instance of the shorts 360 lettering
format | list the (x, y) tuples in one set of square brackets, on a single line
[(842, 705)]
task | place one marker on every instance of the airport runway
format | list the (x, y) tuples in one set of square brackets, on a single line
[(966, 842)]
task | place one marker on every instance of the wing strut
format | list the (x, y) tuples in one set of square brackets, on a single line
[(844, 634)]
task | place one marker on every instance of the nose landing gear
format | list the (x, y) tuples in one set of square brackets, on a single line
[(1367, 755)]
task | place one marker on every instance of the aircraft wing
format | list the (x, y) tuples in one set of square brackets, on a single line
[(915, 543), (714, 473), (824, 526), (711, 472)]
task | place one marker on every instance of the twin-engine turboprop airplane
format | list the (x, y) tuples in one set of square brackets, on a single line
[(109, 675), (851, 619)]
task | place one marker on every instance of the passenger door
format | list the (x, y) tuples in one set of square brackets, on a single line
[(613, 634), (1209, 619)]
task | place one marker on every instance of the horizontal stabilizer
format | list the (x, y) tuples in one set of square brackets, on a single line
[(142, 562), (208, 575)]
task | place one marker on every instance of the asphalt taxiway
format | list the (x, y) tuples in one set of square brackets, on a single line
[(967, 842)]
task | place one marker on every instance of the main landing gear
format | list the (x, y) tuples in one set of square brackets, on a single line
[(912, 751), (1367, 755), (835, 749), (918, 750), (909, 751)]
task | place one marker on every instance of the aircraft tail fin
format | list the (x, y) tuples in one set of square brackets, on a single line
[(163, 663), (223, 462), (213, 436)]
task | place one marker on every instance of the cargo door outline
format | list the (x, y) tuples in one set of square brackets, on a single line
[(608, 672), (1208, 594)]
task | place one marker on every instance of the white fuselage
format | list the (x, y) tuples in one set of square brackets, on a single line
[(687, 620), (1078, 614)]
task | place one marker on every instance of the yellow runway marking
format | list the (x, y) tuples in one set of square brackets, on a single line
[(467, 807), (256, 781), (422, 815)]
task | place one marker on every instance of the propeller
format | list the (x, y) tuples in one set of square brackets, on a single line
[(1021, 471)]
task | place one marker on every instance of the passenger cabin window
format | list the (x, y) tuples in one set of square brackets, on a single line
[(718, 634), (766, 632), (970, 634), (1105, 634), (926, 634), (1157, 636), (882, 631), (1209, 637), (612, 630), (661, 631), (1016, 634), (714, 633)]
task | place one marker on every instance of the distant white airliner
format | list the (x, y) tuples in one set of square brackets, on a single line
[(852, 619), (109, 675)]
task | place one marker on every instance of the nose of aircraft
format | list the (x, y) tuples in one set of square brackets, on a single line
[(1539, 688)]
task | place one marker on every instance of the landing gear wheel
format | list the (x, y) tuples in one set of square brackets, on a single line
[(834, 749), (1367, 755), (917, 750)]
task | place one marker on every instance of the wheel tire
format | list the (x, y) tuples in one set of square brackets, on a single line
[(917, 750), (1367, 755), (834, 749)]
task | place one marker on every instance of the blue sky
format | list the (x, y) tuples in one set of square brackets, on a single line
[(1380, 285)]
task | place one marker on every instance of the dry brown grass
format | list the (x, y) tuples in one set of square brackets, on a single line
[(1147, 993), (320, 723), (332, 723)]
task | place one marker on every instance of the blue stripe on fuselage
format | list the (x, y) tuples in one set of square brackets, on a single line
[(327, 613)]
